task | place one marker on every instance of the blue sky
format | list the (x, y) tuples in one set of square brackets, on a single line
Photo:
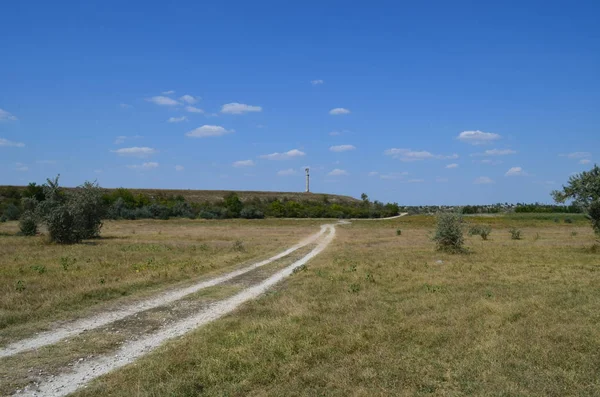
[(428, 103)]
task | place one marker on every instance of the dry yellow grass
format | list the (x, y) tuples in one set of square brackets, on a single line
[(378, 314), (41, 282)]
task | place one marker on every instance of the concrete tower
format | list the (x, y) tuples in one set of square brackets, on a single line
[(307, 180)]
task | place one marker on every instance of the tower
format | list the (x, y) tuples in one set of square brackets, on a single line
[(307, 180)]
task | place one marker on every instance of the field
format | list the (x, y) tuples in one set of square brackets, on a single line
[(375, 313)]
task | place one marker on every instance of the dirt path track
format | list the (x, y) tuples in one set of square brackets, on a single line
[(79, 326), (67, 383)]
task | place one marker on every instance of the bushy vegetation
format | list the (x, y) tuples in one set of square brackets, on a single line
[(88, 203), (449, 233), (28, 224), (584, 191), (480, 230), (515, 233)]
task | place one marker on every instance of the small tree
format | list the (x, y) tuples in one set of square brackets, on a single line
[(584, 190), (233, 204), (28, 224), (449, 233)]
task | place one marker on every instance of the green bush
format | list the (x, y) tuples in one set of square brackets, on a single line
[(594, 215), (568, 220), (74, 217), (515, 233), (480, 230), (449, 233), (11, 212), (28, 224), (251, 213), (398, 232)]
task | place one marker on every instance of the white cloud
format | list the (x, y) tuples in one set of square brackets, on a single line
[(208, 130), (496, 152), (577, 155), (6, 142), (515, 171), (177, 119), (193, 109), (477, 137), (373, 173), (335, 133), (98, 171), (483, 180), (170, 92), (317, 82), (342, 148), (585, 161), (122, 138), (135, 151), (441, 180), (338, 172), (21, 167), (453, 165), (411, 155), (144, 166), (179, 168), (489, 161), (283, 156), (289, 171), (243, 163), (338, 111), (239, 108), (163, 101), (6, 116), (188, 99), (125, 106)]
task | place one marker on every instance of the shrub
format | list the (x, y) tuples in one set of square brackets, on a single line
[(568, 220), (159, 211), (238, 245), (398, 232), (182, 209), (480, 230), (85, 205), (556, 220), (251, 213), (71, 218), (3, 219), (515, 233), (449, 234), (233, 204), (28, 225), (594, 215), (11, 212)]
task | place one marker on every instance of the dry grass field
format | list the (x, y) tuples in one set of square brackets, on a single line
[(375, 314), (41, 282), (381, 314)]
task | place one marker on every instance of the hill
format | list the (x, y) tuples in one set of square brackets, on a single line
[(212, 196)]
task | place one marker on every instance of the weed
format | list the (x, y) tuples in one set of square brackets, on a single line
[(354, 288), (351, 269), (568, 220), (102, 280), (238, 245), (573, 233), (556, 220), (66, 262), (398, 232), (370, 278), (20, 286), (536, 237), (39, 268), (301, 268), (515, 233)]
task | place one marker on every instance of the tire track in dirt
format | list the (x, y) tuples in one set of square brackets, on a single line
[(74, 328), (69, 382)]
